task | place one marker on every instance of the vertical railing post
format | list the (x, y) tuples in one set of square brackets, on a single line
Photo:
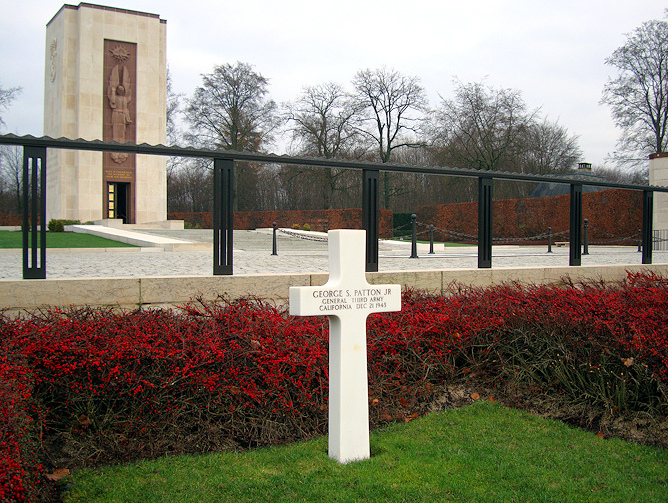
[(414, 236), (647, 224), (549, 240), (274, 245), (585, 241), (223, 216), (431, 239), (485, 222), (370, 217), (34, 213), (575, 258)]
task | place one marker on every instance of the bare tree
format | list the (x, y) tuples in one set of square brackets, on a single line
[(321, 121), (271, 196), (638, 96), (549, 148), (191, 187), (6, 98), (231, 109), (619, 174), (481, 128), (173, 109), (393, 106), (11, 172), (416, 188), (174, 133)]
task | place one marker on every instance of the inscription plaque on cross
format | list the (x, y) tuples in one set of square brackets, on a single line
[(347, 299)]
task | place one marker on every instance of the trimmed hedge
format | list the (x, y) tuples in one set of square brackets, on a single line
[(56, 225), (615, 212), (11, 219), (317, 220)]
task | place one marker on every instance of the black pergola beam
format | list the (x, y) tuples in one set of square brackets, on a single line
[(35, 201), (223, 216), (371, 217), (99, 146)]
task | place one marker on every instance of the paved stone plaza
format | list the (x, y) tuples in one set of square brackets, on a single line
[(252, 255)]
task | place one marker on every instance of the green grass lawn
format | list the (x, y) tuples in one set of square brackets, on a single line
[(14, 239), (481, 453)]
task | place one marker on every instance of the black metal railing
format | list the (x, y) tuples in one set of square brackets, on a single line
[(660, 240), (35, 169)]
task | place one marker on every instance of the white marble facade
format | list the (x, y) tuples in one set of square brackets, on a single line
[(658, 175), (74, 97)]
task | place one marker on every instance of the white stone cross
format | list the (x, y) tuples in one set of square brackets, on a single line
[(347, 299)]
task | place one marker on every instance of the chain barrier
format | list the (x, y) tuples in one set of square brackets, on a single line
[(303, 236), (612, 238), (394, 231), (460, 235), (633, 238), (600, 231), (470, 237)]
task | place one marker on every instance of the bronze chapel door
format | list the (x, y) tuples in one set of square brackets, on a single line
[(117, 200)]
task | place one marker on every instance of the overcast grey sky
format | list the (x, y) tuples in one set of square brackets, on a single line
[(552, 51)]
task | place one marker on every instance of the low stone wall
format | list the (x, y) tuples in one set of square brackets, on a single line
[(133, 293)]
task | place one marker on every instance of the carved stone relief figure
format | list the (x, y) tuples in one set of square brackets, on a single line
[(119, 93), (53, 59)]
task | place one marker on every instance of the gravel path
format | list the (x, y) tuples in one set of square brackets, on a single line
[(252, 255)]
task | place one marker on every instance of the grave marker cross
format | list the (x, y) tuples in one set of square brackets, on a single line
[(347, 299)]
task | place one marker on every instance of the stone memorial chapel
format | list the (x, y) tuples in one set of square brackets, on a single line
[(105, 79)]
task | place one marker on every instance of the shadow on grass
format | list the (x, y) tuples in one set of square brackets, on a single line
[(484, 452)]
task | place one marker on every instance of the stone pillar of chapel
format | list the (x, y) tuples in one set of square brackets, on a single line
[(105, 79), (658, 175)]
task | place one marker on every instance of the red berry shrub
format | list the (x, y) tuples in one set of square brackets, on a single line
[(21, 474), (603, 345), (89, 386)]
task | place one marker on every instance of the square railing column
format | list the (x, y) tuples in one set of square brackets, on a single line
[(223, 216), (576, 225), (371, 217), (34, 213), (647, 224), (485, 222)]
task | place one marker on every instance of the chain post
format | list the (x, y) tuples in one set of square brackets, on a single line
[(431, 239), (414, 236)]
